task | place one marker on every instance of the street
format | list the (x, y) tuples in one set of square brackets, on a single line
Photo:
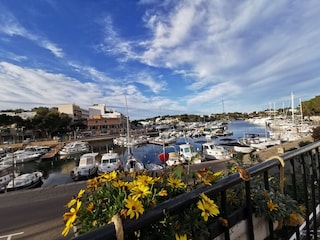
[(38, 213)]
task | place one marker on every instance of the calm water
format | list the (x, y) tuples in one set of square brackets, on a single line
[(57, 171)]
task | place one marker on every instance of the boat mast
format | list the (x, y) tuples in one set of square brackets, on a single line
[(292, 107), (301, 111), (128, 129)]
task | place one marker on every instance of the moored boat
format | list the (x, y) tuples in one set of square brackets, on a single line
[(73, 148), (6, 173), (132, 164), (109, 162), (212, 151), (25, 181), (87, 167)]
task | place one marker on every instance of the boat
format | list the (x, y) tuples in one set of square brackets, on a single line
[(20, 156), (170, 156), (87, 167), (25, 181), (184, 155), (242, 148), (212, 151), (73, 148), (6, 173), (153, 166), (188, 155), (109, 162), (131, 164)]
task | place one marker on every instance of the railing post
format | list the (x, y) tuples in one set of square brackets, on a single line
[(249, 211)]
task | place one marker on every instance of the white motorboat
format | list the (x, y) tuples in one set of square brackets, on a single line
[(212, 151), (87, 168), (242, 149), (184, 155), (73, 148), (188, 155), (109, 162), (20, 156), (25, 181)]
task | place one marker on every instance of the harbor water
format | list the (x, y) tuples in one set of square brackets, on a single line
[(56, 171)]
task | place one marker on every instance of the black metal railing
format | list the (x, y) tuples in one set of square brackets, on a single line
[(302, 177)]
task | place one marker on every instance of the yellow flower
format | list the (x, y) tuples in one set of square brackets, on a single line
[(135, 207), (75, 199), (163, 193), (146, 180), (208, 207), (140, 191), (107, 177), (119, 184), (70, 217), (175, 182), (206, 199), (93, 184), (272, 206), (181, 237), (90, 207)]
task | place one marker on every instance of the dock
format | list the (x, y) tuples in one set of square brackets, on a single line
[(53, 151)]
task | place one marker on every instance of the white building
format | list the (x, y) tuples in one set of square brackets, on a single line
[(23, 115), (100, 109), (74, 111)]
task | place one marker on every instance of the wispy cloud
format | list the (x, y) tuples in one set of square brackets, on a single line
[(9, 25)]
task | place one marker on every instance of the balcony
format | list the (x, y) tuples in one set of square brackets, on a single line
[(298, 175)]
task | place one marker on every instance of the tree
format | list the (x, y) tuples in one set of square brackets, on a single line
[(48, 121)]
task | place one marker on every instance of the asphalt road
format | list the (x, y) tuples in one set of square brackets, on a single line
[(37, 213)]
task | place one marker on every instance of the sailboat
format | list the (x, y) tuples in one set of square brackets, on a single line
[(131, 164)]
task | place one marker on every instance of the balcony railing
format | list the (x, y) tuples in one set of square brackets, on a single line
[(302, 174)]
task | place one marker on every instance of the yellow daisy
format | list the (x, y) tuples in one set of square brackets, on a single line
[(175, 182), (135, 207), (70, 218), (140, 191), (181, 237), (272, 206), (75, 199), (208, 207)]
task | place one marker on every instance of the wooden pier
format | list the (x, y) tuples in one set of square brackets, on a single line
[(53, 151)]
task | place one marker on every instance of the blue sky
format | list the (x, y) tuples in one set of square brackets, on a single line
[(167, 57)]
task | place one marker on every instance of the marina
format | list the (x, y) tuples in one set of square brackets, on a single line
[(56, 169)]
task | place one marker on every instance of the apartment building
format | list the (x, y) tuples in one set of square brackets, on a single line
[(105, 121)]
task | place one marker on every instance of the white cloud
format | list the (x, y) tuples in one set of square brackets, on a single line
[(9, 25)]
